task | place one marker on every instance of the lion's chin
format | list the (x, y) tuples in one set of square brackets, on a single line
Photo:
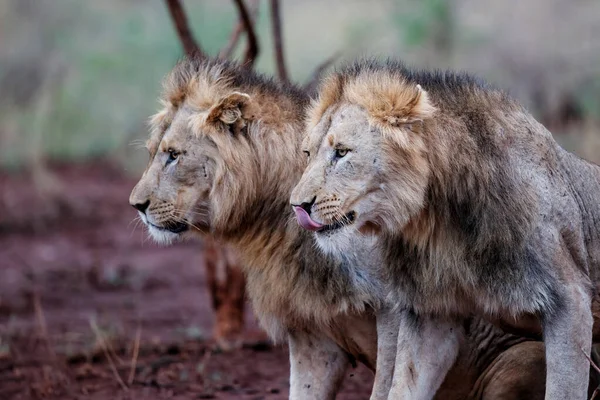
[(163, 236), (344, 242), (345, 239), (335, 242)]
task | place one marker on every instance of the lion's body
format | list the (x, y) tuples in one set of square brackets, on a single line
[(477, 208), (224, 158)]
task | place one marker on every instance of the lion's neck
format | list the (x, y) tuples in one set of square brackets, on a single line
[(260, 221), (266, 226), (291, 284), (262, 213)]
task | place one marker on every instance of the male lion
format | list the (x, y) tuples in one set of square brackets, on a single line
[(223, 161), (477, 208)]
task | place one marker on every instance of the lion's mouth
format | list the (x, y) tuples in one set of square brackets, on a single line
[(174, 227), (348, 219), (308, 223)]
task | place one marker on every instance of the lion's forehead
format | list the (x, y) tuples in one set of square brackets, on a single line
[(316, 140), (318, 133), (175, 129), (349, 123)]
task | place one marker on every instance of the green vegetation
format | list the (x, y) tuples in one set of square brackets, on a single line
[(80, 78)]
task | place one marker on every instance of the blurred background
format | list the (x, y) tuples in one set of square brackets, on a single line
[(89, 306)]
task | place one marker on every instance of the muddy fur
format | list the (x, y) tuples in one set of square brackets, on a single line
[(224, 157), (477, 208)]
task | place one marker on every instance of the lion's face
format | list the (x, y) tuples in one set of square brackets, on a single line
[(352, 181), (196, 171), (172, 196)]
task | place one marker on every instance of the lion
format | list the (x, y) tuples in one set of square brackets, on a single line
[(477, 210), (223, 161)]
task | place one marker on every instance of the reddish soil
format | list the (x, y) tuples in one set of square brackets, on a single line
[(79, 281)]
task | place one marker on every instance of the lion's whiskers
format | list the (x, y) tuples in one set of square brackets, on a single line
[(138, 144), (184, 221), (136, 221), (183, 212), (345, 220)]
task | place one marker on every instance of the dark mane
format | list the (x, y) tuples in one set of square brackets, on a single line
[(448, 87)]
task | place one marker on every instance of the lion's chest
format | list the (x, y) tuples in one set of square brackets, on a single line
[(451, 283)]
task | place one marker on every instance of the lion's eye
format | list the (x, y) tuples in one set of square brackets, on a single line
[(306, 152), (339, 153), (172, 156)]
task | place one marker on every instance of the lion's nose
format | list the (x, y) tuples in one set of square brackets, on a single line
[(141, 207), (307, 205)]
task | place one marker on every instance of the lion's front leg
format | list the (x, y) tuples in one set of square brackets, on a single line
[(317, 367), (568, 338), (387, 340), (426, 350)]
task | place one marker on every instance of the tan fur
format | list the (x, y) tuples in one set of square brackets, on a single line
[(232, 179), (389, 99)]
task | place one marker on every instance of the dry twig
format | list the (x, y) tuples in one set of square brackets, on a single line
[(204, 362), (227, 51), (252, 49), (183, 30), (190, 45), (104, 346), (136, 351), (278, 40), (593, 364), (311, 85), (39, 315)]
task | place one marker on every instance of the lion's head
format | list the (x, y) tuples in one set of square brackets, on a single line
[(368, 166), (205, 167)]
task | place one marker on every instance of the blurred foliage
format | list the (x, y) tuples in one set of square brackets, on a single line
[(108, 59), (80, 78), (589, 98), (422, 20)]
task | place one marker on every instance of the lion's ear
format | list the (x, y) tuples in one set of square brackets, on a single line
[(232, 111), (414, 108)]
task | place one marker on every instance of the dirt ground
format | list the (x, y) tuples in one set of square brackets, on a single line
[(90, 308)]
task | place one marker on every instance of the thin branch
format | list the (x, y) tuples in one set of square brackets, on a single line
[(311, 85), (252, 49), (236, 34), (278, 41), (190, 46), (201, 368), (39, 315), (104, 347), (592, 363), (136, 351)]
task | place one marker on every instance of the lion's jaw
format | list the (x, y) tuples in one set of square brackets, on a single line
[(159, 234), (355, 189)]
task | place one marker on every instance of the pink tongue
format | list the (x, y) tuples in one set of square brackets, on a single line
[(305, 220)]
